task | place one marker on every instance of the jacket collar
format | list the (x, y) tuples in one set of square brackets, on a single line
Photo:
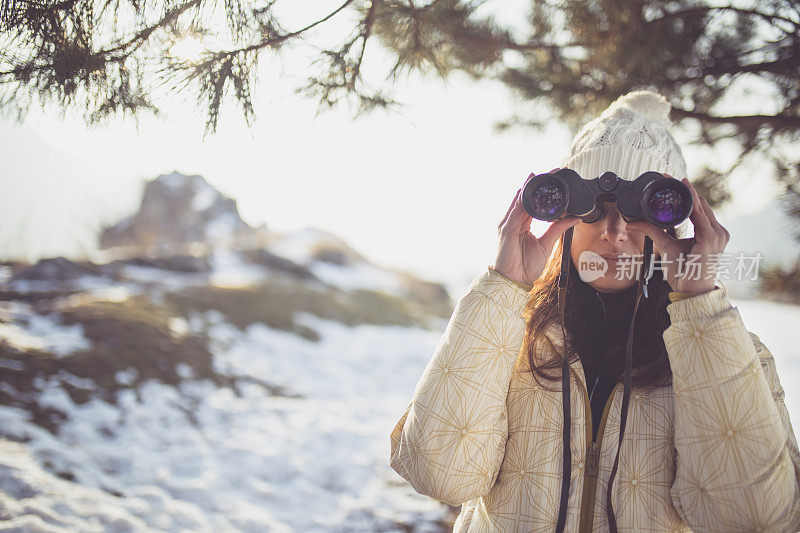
[(596, 298)]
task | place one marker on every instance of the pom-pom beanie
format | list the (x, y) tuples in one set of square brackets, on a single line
[(629, 138)]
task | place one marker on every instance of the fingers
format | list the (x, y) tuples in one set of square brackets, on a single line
[(510, 208), (556, 229), (720, 229), (526, 222), (702, 225), (710, 214), (707, 211), (516, 211), (661, 239)]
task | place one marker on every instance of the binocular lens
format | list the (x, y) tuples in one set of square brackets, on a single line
[(547, 200), (666, 205), (661, 200)]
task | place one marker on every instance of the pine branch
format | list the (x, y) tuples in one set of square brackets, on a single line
[(271, 42), (779, 66), (700, 10), (777, 122)]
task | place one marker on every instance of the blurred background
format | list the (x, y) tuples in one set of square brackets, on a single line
[(232, 234)]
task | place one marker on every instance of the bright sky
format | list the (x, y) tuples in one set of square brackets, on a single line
[(421, 190)]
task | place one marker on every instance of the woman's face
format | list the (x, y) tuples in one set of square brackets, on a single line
[(607, 237)]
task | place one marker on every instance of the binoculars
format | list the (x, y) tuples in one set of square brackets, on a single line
[(660, 200)]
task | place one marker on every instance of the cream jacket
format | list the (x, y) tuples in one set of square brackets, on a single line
[(714, 451)]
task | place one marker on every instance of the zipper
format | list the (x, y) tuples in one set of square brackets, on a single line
[(601, 303), (591, 467)]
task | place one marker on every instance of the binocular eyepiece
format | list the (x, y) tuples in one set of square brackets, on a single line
[(660, 200)]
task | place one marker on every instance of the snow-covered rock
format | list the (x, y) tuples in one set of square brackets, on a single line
[(178, 209)]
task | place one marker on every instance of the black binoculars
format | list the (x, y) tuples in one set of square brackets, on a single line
[(660, 200)]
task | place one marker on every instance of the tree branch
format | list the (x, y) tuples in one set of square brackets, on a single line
[(776, 67), (281, 38), (369, 19), (138, 39), (743, 121), (708, 9)]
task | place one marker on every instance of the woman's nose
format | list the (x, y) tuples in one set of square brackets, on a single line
[(612, 225)]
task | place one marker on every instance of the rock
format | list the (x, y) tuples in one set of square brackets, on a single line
[(281, 264), (311, 244), (432, 296), (177, 263), (174, 263), (426, 291), (56, 269), (332, 255), (178, 209)]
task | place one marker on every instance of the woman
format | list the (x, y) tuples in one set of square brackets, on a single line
[(708, 445)]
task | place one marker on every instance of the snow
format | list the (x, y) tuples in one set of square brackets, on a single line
[(222, 226), (255, 462), (75, 381), (116, 293), (83, 283), (5, 273), (27, 330), (230, 269), (127, 376), (776, 326), (179, 326), (42, 502), (298, 245), (204, 197), (138, 274), (174, 180), (11, 364), (358, 276)]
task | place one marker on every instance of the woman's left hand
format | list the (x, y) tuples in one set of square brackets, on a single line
[(704, 249)]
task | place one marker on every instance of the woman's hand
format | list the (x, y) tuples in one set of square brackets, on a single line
[(520, 255), (704, 249)]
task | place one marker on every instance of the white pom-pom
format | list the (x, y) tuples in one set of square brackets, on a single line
[(648, 103)]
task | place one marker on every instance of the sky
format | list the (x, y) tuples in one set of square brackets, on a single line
[(422, 189)]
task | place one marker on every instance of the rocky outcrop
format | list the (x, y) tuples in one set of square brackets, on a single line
[(178, 209), (56, 269), (174, 263), (308, 245), (277, 263)]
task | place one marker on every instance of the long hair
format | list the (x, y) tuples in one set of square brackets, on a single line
[(650, 362)]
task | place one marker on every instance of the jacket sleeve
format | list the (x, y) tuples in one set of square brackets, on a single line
[(450, 442), (738, 466)]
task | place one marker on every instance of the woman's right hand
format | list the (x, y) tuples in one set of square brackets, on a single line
[(521, 256)]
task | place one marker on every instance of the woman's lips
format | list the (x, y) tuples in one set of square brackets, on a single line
[(613, 260)]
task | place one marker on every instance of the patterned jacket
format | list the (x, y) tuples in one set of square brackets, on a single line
[(714, 451)]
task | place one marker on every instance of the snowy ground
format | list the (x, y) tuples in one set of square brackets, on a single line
[(199, 458), (778, 327), (250, 463)]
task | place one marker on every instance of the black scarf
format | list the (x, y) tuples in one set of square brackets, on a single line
[(598, 323)]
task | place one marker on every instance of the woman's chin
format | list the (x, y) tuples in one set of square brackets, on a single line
[(612, 284)]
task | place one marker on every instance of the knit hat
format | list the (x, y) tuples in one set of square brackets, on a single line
[(629, 138)]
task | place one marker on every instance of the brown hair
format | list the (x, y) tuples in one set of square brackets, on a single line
[(650, 362)]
